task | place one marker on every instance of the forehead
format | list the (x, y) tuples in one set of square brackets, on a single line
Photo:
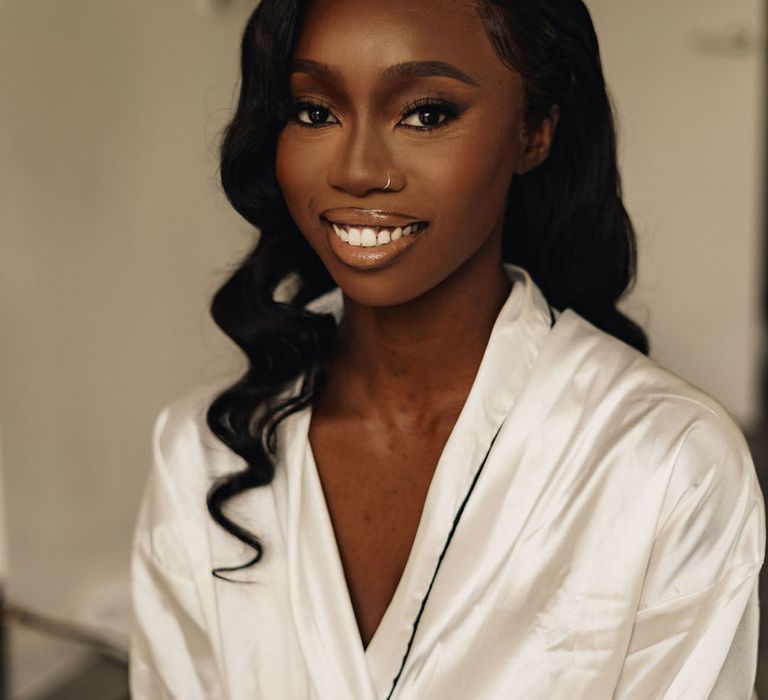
[(361, 37)]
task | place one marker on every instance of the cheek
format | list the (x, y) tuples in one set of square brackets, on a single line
[(297, 175), (470, 178), (288, 169), (300, 171)]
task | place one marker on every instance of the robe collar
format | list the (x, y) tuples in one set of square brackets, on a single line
[(516, 333), (322, 608)]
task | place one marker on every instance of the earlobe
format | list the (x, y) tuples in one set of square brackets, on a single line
[(537, 143)]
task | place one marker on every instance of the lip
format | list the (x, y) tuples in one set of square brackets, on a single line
[(373, 257), (355, 216)]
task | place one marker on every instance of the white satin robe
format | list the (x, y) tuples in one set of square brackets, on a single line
[(609, 548)]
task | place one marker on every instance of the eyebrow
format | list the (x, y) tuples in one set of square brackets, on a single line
[(409, 69)]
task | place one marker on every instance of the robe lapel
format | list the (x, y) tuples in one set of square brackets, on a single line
[(522, 325), (321, 606), (320, 598)]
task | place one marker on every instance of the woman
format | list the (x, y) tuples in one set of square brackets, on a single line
[(449, 471)]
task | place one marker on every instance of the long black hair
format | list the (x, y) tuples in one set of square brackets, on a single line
[(565, 222)]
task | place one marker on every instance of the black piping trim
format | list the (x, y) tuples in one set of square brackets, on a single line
[(440, 561)]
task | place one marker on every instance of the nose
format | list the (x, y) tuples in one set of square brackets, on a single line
[(361, 160)]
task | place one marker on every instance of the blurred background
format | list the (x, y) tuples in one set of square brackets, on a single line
[(114, 233)]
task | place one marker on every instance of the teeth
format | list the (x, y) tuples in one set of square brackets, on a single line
[(341, 233), (368, 237)]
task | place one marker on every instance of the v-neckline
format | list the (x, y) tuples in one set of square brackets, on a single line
[(327, 525), (323, 609), (384, 652)]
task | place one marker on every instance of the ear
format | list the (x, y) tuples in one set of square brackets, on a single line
[(538, 142)]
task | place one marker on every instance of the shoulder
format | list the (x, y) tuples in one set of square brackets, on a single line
[(184, 448), (186, 460), (602, 365), (629, 396), (646, 421)]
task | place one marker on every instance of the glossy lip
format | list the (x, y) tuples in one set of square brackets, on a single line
[(355, 216), (372, 257)]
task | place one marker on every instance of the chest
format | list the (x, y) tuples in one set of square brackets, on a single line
[(375, 487)]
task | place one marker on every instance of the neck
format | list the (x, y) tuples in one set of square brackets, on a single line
[(415, 362)]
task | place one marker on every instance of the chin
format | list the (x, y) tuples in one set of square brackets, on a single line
[(379, 288)]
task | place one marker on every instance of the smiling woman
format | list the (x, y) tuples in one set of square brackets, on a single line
[(450, 471)]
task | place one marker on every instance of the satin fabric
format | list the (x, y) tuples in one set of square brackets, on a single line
[(608, 548)]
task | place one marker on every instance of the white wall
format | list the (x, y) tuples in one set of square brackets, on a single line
[(113, 235), (690, 107)]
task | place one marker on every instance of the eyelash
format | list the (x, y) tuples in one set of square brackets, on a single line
[(450, 111)]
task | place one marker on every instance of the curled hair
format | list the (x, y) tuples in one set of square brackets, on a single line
[(565, 220)]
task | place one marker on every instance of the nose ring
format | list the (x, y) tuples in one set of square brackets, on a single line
[(389, 181)]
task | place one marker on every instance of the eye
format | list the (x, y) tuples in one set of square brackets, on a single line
[(429, 113), (311, 114), (422, 115)]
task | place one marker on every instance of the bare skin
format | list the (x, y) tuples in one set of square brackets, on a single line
[(415, 329)]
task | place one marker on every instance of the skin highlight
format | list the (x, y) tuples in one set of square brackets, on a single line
[(415, 328)]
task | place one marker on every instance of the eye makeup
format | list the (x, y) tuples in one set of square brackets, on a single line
[(432, 105)]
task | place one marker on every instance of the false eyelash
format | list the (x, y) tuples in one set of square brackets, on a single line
[(450, 111), (301, 105), (448, 108)]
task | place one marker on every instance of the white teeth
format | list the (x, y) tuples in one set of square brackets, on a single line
[(355, 237), (367, 236), (341, 233)]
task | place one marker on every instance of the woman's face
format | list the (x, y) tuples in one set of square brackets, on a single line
[(413, 93)]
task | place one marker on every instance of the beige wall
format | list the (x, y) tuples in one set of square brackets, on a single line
[(689, 94), (113, 235)]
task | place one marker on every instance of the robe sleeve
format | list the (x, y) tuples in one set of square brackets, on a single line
[(695, 631), (740, 667), (170, 653)]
